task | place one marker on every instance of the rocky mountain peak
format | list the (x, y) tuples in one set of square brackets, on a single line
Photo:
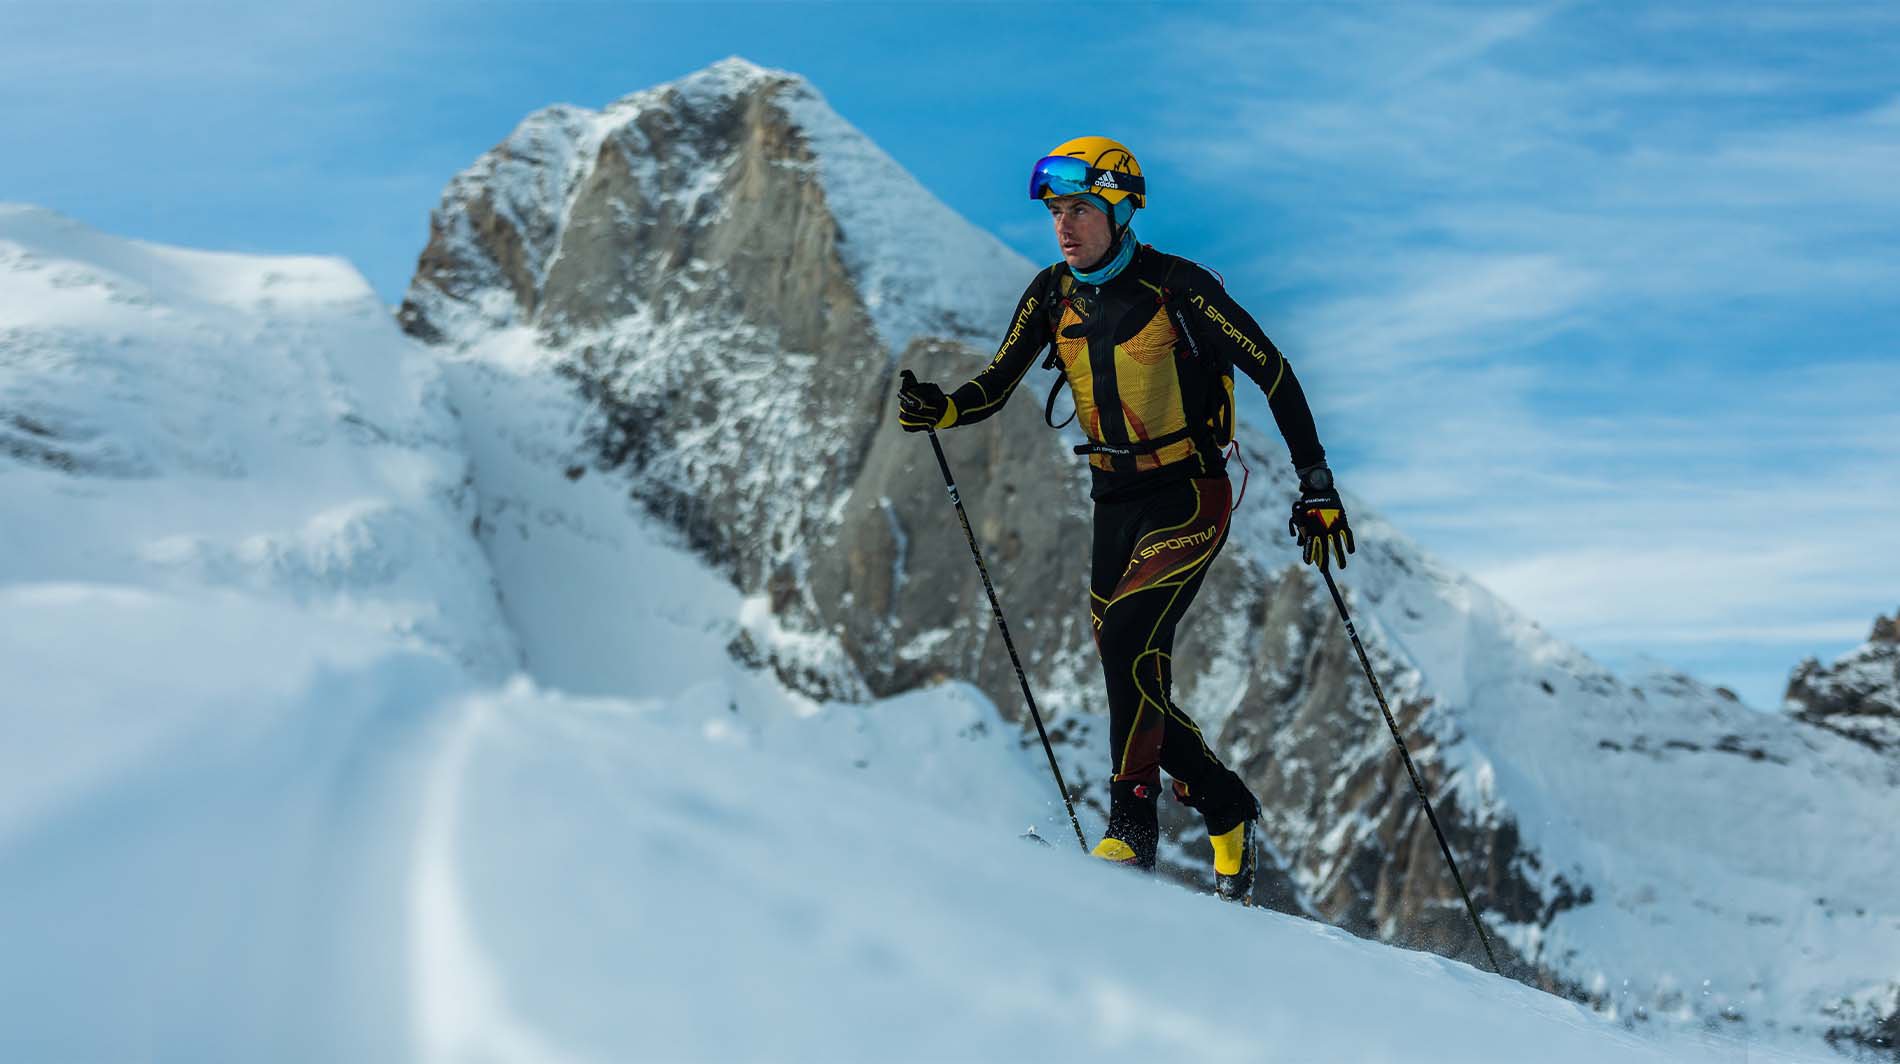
[(726, 271), (737, 191), (1886, 629), (1856, 695)]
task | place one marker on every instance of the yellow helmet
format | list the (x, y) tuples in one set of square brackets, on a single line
[(1089, 165)]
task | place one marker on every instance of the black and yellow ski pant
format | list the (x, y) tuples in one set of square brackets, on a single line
[(1150, 555)]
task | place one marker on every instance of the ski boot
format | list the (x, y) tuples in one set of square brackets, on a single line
[(1133, 826), (1234, 862), (1232, 816)]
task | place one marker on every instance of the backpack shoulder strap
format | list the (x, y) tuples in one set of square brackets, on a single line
[(1216, 377), (1173, 305), (1060, 287)]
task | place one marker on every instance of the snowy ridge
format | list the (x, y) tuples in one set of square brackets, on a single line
[(523, 183), (921, 269), (241, 424)]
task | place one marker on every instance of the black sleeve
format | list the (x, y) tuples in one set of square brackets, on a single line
[(1028, 336), (1221, 324)]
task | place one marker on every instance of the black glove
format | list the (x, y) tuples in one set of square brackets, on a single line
[(1319, 519), (922, 405)]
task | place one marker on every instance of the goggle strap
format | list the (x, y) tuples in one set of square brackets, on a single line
[(1116, 180)]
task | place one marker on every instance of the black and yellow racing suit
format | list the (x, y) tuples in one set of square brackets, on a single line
[(1157, 408)]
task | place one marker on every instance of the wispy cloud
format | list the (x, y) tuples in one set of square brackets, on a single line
[(1440, 308)]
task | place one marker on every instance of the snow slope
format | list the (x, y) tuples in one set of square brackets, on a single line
[(273, 785), (367, 863)]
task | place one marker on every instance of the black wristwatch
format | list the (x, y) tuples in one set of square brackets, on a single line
[(1316, 478)]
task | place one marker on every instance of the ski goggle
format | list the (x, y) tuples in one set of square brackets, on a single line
[(1066, 175)]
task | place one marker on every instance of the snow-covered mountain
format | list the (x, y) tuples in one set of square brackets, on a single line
[(278, 781), (355, 708), (730, 275)]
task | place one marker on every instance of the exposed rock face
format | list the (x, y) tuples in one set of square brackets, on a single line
[(716, 267), (1858, 695), (684, 256), (897, 581)]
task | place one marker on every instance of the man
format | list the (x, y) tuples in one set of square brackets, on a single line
[(1147, 343)]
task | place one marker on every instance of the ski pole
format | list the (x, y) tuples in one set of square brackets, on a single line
[(996, 609), (1365, 663)]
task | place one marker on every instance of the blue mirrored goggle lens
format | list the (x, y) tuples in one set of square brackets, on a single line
[(1063, 175)]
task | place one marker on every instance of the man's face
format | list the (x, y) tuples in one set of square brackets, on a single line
[(1081, 230)]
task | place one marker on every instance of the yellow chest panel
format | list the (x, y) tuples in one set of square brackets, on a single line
[(1147, 388)]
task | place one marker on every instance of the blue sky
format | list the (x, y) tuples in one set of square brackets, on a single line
[(1598, 302)]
